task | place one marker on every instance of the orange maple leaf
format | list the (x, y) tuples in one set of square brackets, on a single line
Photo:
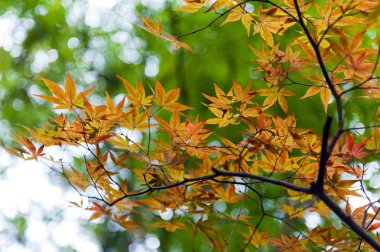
[(156, 29), (266, 24), (67, 98)]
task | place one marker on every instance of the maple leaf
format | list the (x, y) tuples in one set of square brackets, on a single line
[(156, 29), (240, 14), (293, 211), (373, 142), (125, 205), (136, 96), (319, 37), (229, 194), (167, 100), (266, 24), (310, 57), (270, 62), (223, 118), (249, 112), (244, 96), (52, 133), (357, 67), (291, 7), (266, 56), (206, 226), (221, 3), (374, 226), (127, 224), (274, 74), (291, 57), (274, 94), (342, 187), (76, 178), (67, 98), (134, 120), (222, 100), (151, 26), (175, 128), (320, 86), (370, 89), (193, 5), (123, 142), (257, 239), (355, 150), (170, 226), (344, 48), (335, 16), (356, 64), (98, 210), (287, 163), (30, 150), (287, 243), (112, 109), (366, 6)]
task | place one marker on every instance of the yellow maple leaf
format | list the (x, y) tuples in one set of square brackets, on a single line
[(320, 86), (257, 239), (223, 118), (374, 140), (229, 194), (240, 14), (156, 29), (274, 94), (136, 96), (170, 226), (266, 24), (167, 100), (190, 7)]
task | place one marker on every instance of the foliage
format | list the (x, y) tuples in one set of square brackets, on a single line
[(183, 165)]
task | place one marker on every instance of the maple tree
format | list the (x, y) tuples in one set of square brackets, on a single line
[(183, 165)]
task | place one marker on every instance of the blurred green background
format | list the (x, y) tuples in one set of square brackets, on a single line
[(96, 40)]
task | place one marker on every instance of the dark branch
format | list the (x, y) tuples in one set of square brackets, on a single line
[(323, 69), (213, 21), (348, 220), (324, 157), (263, 179), (230, 9), (158, 188)]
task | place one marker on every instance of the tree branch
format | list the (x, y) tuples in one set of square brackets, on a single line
[(263, 179), (324, 157), (158, 188), (317, 189), (230, 9), (348, 220), (214, 20), (323, 69)]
